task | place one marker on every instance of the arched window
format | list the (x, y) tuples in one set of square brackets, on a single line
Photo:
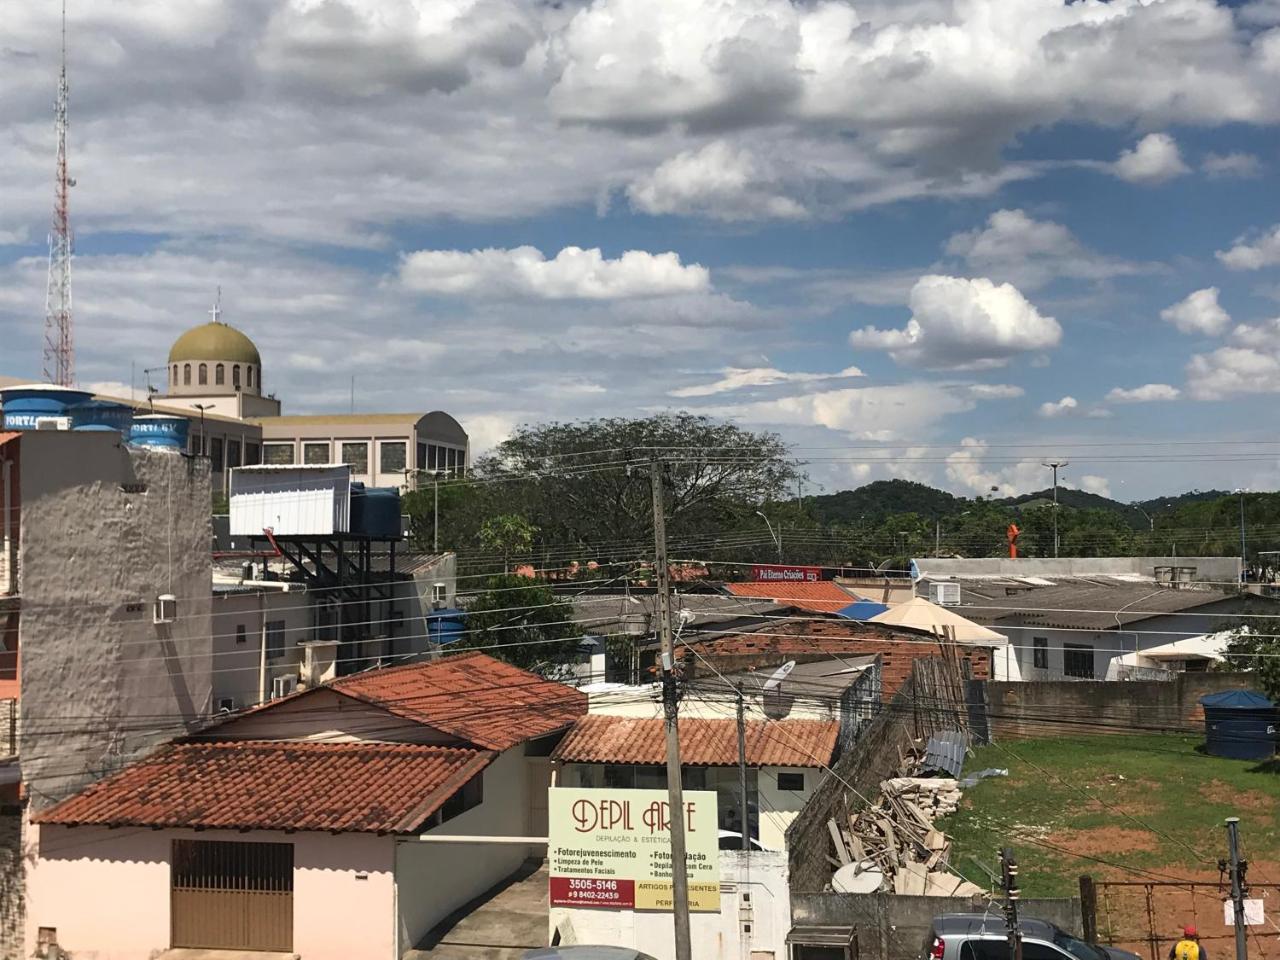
[(248, 373), (186, 374), (175, 375), (219, 375), (235, 376), (204, 374)]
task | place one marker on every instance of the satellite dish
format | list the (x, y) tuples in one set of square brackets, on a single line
[(777, 704), (864, 877)]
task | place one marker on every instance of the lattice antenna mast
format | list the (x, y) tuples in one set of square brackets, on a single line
[(59, 349)]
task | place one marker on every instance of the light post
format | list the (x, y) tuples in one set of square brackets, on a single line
[(776, 538), (204, 443), (435, 509), (1055, 465), (1244, 570)]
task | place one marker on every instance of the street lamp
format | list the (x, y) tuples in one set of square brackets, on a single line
[(204, 443), (1244, 575), (435, 509), (777, 538), (1055, 466)]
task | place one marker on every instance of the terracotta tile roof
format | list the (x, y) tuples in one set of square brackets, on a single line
[(825, 596), (600, 738), (472, 696), (277, 785)]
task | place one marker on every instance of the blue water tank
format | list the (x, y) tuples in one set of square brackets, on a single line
[(26, 405), (446, 626), (375, 512), (1240, 724), (160, 431), (101, 415)]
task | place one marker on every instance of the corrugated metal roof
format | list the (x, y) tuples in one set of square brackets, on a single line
[(277, 785), (600, 738), (945, 752)]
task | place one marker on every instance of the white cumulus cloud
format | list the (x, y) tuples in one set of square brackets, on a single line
[(961, 323), (1219, 166), (717, 180), (1232, 371), (1199, 313), (1147, 393), (1253, 253), (1155, 159), (574, 274), (1058, 408)]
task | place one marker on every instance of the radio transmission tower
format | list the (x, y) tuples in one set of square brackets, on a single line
[(59, 351)]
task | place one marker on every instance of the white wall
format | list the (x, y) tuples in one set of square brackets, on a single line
[(779, 807), (236, 665), (434, 879), (107, 891), (714, 936), (325, 714)]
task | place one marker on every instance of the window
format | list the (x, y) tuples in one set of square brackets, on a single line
[(315, 452), (439, 593), (471, 795), (1040, 951), (1077, 661), (233, 454), (791, 781), (275, 639), (215, 454), (1040, 654), (248, 372), (204, 374), (235, 376), (357, 455), (988, 949), (219, 375), (186, 374), (252, 453), (240, 634), (277, 453), (174, 378), (391, 456), (422, 456), (432, 451)]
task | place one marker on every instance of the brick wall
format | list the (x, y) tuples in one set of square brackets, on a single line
[(12, 899), (1065, 708)]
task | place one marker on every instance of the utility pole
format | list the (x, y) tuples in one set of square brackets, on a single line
[(742, 770), (1009, 873), (1244, 570), (1055, 465), (670, 712), (937, 538), (1238, 868)]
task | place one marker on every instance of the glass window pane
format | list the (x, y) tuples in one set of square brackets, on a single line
[(277, 453), (251, 453), (392, 456), (422, 456), (315, 452), (215, 453), (357, 455), (233, 453)]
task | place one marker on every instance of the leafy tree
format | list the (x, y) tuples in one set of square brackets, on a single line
[(508, 534), (463, 507), (523, 622), (571, 481), (1254, 649)]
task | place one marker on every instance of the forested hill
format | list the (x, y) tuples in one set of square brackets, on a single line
[(883, 498)]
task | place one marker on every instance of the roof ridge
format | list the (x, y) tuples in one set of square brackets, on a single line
[(350, 746)]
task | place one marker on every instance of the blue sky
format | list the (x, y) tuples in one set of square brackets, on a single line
[(940, 239)]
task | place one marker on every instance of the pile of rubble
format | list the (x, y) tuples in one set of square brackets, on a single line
[(896, 840)]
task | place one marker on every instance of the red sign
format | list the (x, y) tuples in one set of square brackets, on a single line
[(592, 892), (776, 573)]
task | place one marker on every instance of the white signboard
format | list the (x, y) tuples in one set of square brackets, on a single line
[(1253, 915), (612, 848)]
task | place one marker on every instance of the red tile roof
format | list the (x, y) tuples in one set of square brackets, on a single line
[(824, 596), (600, 738), (471, 696), (277, 785)]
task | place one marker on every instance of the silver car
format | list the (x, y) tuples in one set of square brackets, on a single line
[(985, 936)]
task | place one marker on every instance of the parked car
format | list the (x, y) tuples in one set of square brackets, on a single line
[(730, 840), (985, 936), (586, 953)]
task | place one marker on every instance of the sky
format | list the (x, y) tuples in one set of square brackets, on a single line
[(945, 240)]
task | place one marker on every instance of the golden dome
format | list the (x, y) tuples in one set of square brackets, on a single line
[(214, 341)]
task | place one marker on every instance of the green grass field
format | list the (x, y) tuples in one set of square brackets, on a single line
[(1110, 797)]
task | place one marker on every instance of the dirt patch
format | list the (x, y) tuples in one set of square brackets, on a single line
[(1102, 841), (1215, 791)]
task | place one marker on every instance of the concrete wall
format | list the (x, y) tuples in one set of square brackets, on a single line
[(893, 927), (327, 715), (107, 891), (237, 656), (434, 879), (757, 882), (1208, 569), (105, 529), (778, 807), (12, 881), (1073, 708)]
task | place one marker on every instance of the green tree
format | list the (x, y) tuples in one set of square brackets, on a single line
[(523, 622), (463, 507), (508, 534), (1254, 649)]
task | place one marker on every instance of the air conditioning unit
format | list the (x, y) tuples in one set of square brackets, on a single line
[(226, 704), (283, 686), (165, 609), (944, 594), (53, 423)]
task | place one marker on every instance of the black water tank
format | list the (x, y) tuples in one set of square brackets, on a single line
[(1240, 724)]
